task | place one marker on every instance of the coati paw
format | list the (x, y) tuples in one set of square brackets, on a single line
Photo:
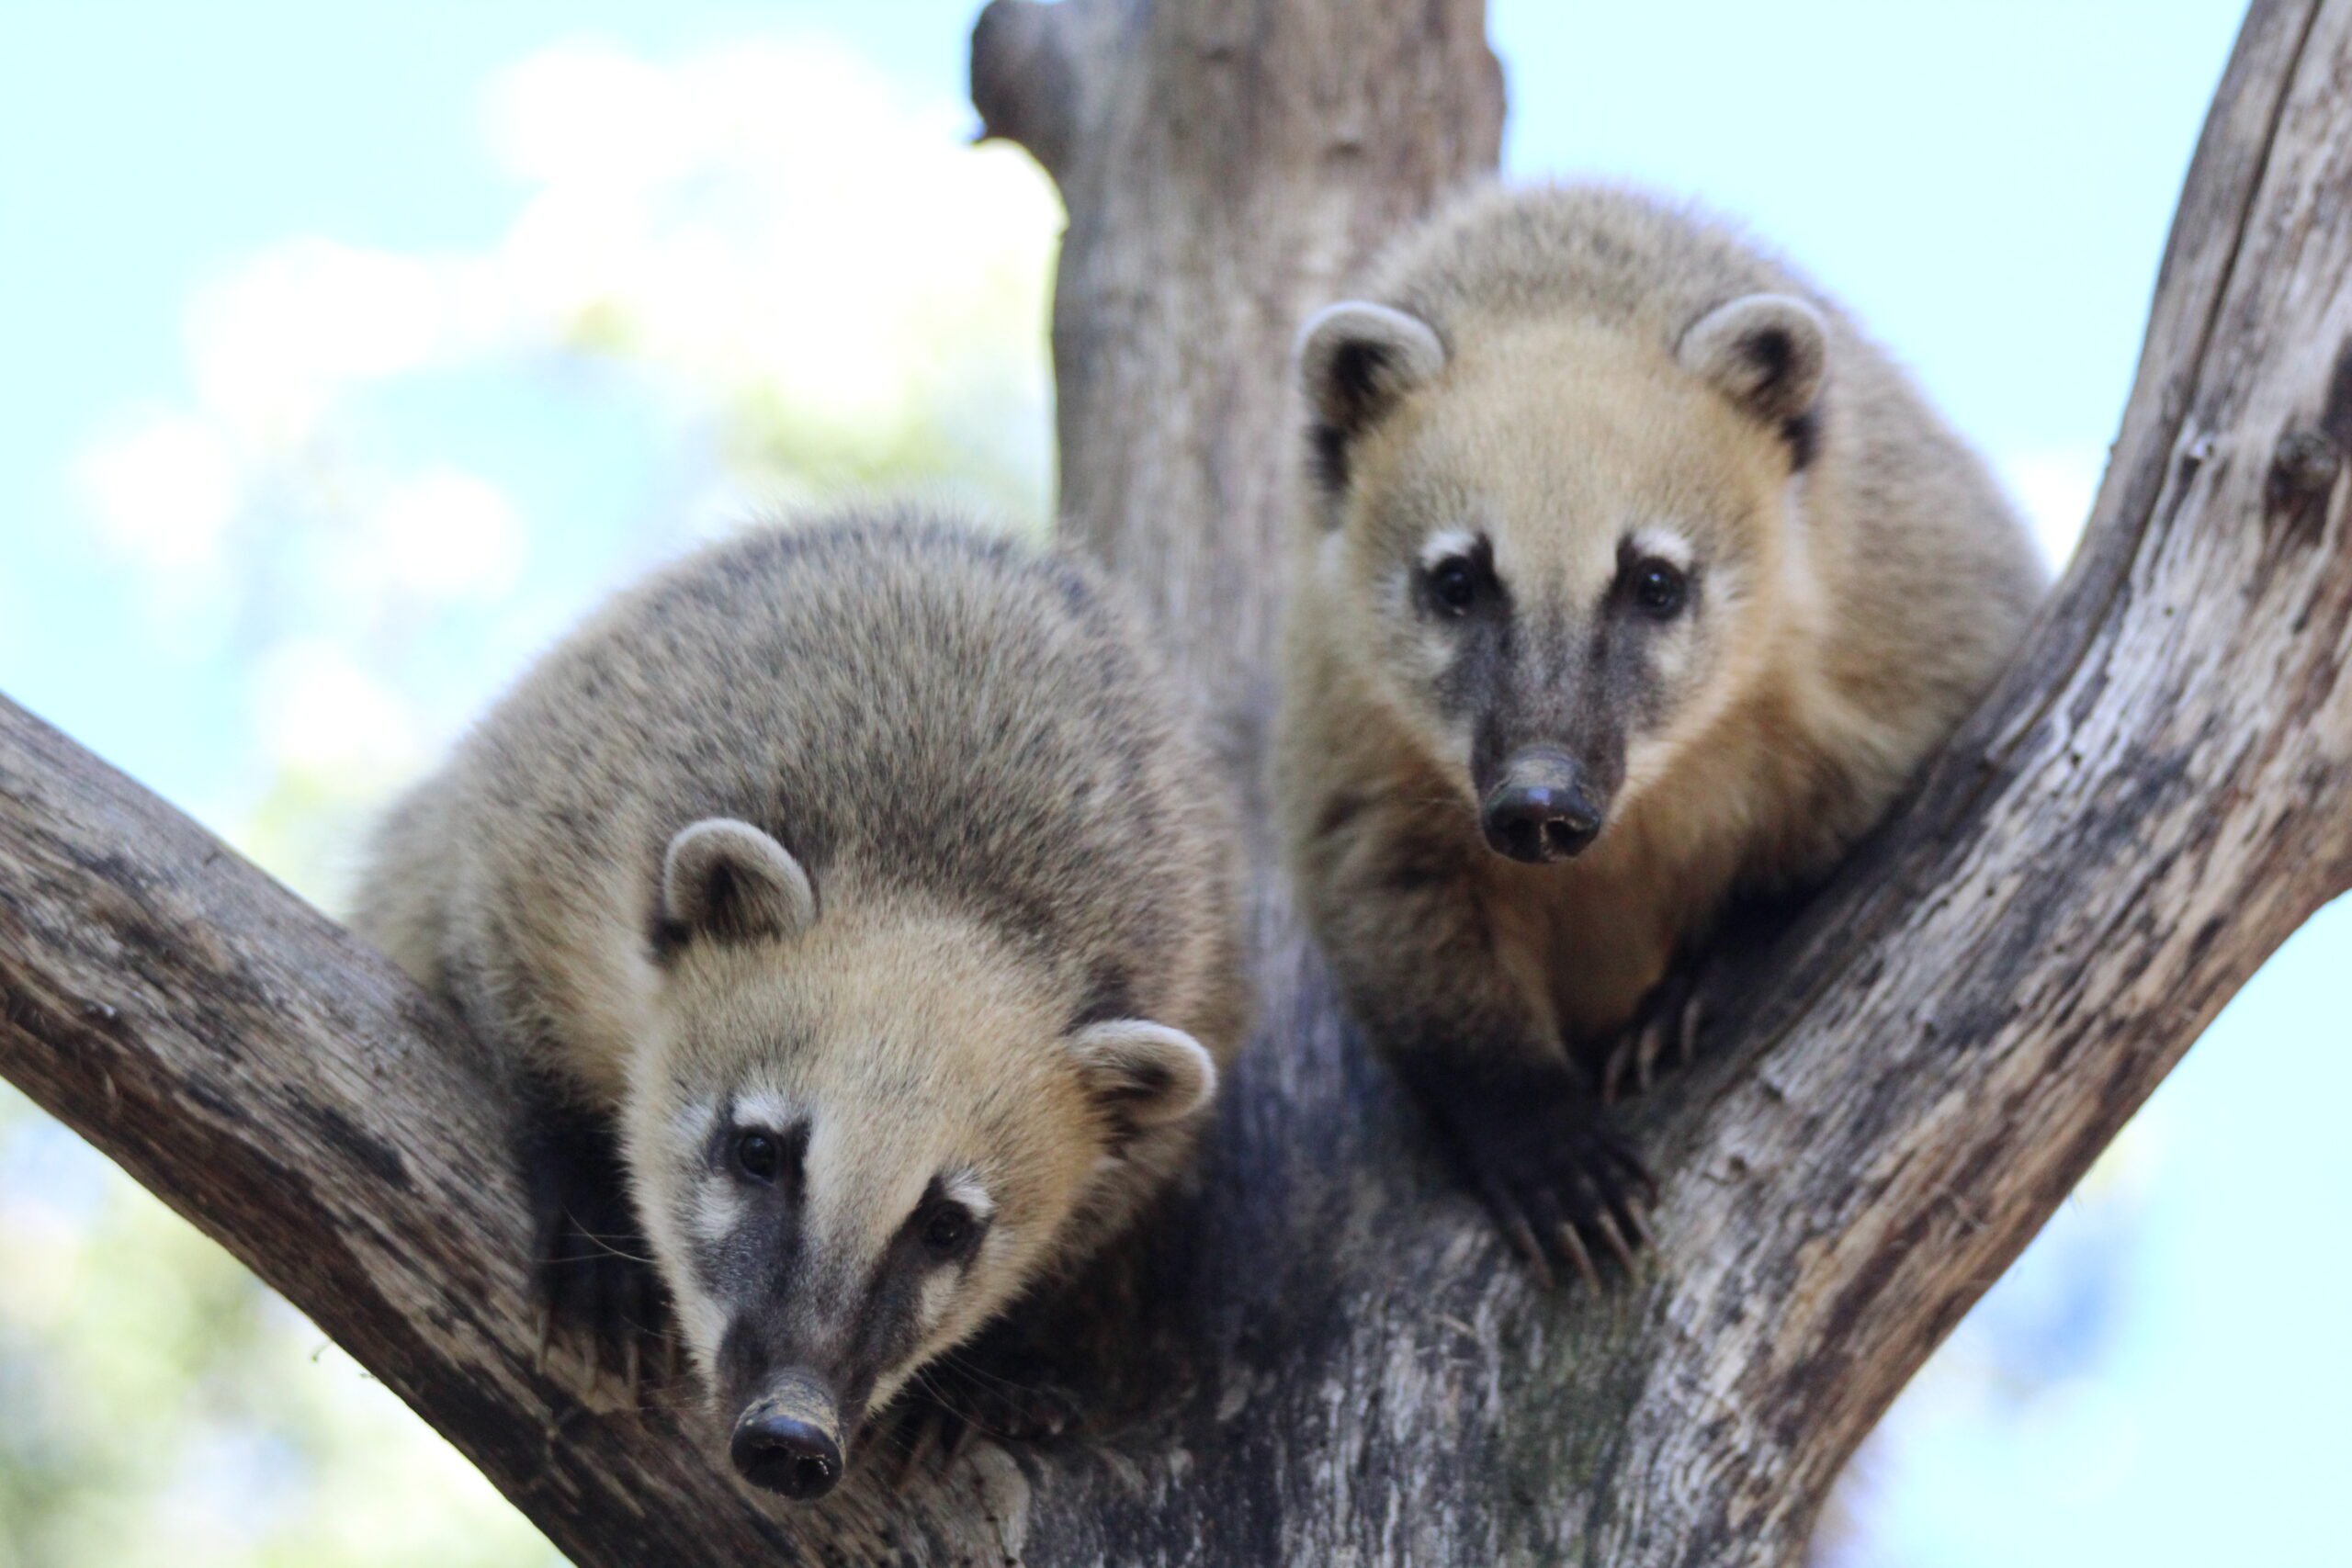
[(600, 1301), (1006, 1400), (1567, 1190), (597, 1296), (1672, 1018)]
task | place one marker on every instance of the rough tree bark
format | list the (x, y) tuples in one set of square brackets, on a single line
[(1323, 1356)]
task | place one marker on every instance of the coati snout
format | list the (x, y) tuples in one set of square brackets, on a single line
[(1543, 807), (789, 1440)]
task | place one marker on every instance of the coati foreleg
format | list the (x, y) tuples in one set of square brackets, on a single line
[(592, 1269), (1439, 990)]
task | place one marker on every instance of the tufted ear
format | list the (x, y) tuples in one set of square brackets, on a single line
[(1768, 353), (1145, 1072), (727, 880), (1355, 360)]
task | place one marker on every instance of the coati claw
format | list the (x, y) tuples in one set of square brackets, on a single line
[(1643, 1235), (1572, 1245), (1521, 1234), (1606, 1225), (1671, 1017)]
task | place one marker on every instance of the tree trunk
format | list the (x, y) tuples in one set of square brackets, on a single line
[(1323, 1354)]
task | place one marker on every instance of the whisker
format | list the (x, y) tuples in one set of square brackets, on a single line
[(979, 1373), (971, 1421), (606, 1243), (602, 1250)]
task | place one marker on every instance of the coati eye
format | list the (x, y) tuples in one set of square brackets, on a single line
[(948, 1229), (758, 1156), (1660, 587), (1453, 583)]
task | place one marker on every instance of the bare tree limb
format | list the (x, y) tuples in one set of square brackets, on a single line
[(1322, 1355)]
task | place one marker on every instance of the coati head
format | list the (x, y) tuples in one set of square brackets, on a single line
[(1564, 550), (855, 1136)]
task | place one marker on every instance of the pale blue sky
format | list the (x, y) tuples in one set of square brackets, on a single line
[(1989, 186)]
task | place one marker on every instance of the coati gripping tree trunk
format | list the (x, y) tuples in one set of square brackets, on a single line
[(1325, 1356)]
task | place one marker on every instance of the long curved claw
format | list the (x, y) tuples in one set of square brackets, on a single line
[(1644, 1237), (1605, 1225), (1672, 1019), (1612, 1072), (1516, 1229), (1572, 1245), (1694, 1018)]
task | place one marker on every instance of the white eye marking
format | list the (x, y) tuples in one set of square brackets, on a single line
[(1445, 545), (716, 1209), (690, 1124), (766, 1109), (965, 1187), (1665, 543), (705, 1325)]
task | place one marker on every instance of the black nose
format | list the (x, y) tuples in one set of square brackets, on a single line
[(1540, 822), (789, 1457)]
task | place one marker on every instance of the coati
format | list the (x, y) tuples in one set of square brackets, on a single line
[(853, 910), (1635, 580)]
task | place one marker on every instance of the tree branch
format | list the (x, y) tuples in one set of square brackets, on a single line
[(1322, 1354), (2154, 799)]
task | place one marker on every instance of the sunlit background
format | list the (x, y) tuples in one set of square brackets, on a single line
[(351, 351)]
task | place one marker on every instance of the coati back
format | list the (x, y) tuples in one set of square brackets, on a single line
[(853, 910), (1634, 579)]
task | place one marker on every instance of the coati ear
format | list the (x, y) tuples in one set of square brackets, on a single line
[(1355, 359), (1147, 1073), (1768, 352), (728, 880)]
